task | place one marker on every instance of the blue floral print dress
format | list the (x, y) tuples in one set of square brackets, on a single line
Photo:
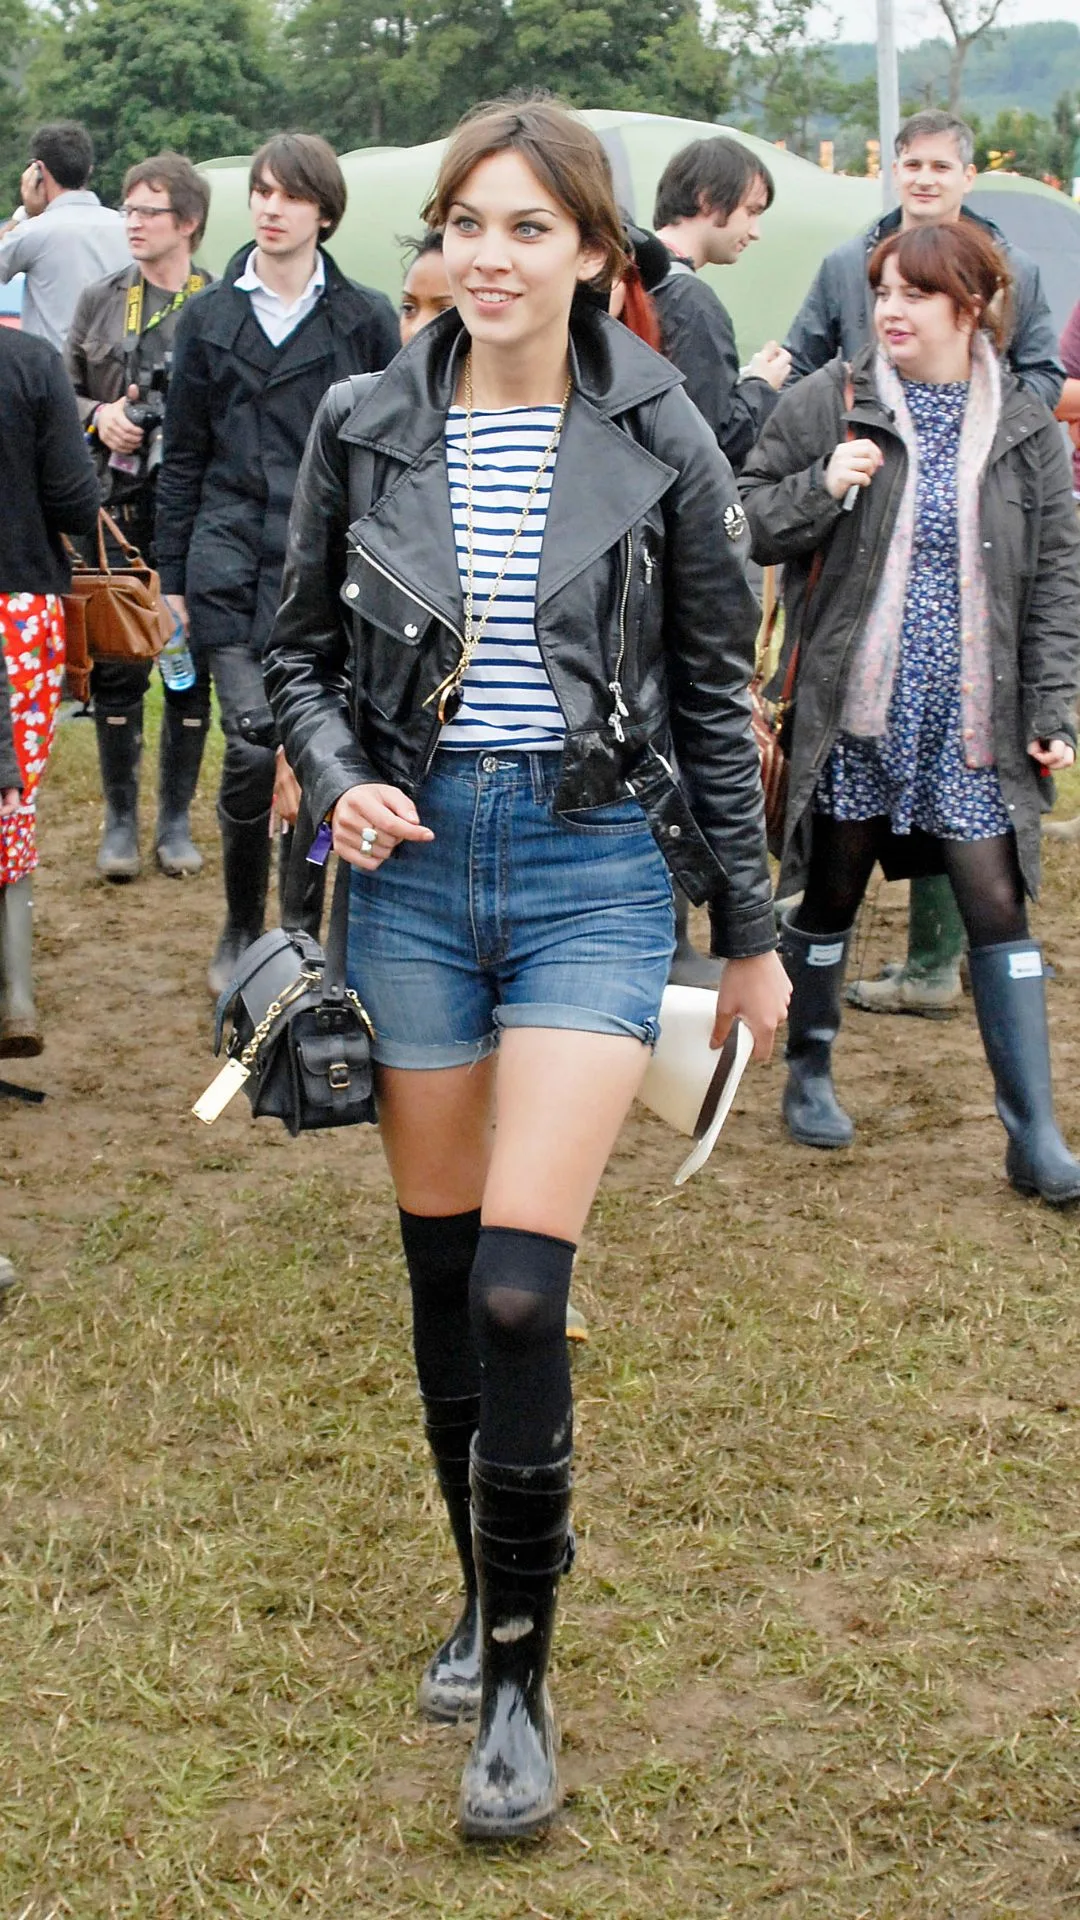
[(916, 773)]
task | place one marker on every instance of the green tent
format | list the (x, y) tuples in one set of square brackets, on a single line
[(813, 212)]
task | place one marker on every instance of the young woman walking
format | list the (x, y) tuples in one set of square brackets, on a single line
[(514, 591), (938, 664)]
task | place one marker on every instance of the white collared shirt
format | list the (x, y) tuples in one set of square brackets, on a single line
[(277, 316)]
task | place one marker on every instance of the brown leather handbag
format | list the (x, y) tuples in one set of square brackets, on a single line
[(111, 613)]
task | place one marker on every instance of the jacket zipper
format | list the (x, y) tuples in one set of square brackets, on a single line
[(620, 711), (433, 738)]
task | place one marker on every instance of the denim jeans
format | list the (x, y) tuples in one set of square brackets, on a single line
[(512, 916)]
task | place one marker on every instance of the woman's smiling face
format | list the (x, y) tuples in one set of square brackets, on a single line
[(513, 255), (918, 330)]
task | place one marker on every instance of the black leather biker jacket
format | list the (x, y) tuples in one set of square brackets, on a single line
[(643, 614)]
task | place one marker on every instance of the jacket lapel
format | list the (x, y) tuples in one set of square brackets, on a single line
[(604, 483)]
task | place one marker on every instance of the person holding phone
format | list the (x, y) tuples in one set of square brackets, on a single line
[(60, 235), (939, 657)]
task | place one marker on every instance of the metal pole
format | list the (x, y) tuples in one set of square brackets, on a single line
[(888, 81)]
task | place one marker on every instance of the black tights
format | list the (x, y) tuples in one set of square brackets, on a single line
[(985, 877)]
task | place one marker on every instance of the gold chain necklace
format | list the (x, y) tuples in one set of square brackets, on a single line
[(448, 693)]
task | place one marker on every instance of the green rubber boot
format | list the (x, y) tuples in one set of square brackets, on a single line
[(928, 983)]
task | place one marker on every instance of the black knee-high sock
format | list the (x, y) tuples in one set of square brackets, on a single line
[(439, 1253), (518, 1294)]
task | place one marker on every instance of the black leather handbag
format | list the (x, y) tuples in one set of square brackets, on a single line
[(301, 1041)]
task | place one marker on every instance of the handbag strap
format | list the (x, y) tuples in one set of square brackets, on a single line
[(337, 936)]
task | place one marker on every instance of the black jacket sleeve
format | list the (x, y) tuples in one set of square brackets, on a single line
[(1050, 639), (306, 666), (814, 337), (1033, 350), (186, 447), (783, 489), (699, 339), (66, 475), (710, 625)]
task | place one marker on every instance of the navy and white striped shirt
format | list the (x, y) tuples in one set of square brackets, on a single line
[(508, 700)]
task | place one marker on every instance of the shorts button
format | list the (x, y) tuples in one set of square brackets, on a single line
[(352, 591), (489, 764)]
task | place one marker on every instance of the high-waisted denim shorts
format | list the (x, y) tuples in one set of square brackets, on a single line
[(513, 916)]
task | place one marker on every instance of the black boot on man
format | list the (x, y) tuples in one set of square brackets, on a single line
[(183, 737), (119, 740), (521, 1533), (1009, 987), (245, 865), (815, 965)]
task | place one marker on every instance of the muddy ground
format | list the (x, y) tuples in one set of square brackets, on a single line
[(820, 1655)]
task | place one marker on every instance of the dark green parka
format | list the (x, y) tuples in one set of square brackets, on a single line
[(1031, 550)]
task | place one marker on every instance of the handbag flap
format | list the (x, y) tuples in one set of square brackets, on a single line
[(264, 972)]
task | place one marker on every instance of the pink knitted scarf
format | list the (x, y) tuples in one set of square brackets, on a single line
[(877, 651)]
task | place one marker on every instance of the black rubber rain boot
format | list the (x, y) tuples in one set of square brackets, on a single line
[(815, 964), (183, 737), (119, 739), (689, 968), (20, 1028), (245, 862), (1009, 986), (450, 1687), (313, 895), (521, 1532)]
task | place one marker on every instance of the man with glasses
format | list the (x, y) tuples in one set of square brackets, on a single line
[(60, 235), (119, 356)]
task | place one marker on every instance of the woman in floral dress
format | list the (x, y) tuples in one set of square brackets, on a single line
[(51, 489), (922, 504)]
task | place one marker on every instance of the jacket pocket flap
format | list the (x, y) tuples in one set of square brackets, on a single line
[(371, 596)]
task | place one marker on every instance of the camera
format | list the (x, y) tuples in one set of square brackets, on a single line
[(148, 412)]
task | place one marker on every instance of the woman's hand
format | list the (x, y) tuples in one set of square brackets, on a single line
[(758, 990), (285, 804), (1054, 755), (388, 811), (853, 464), (10, 800)]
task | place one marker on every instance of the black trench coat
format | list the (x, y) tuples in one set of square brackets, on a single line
[(1031, 551), (238, 415)]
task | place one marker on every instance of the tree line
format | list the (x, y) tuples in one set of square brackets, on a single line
[(213, 77)]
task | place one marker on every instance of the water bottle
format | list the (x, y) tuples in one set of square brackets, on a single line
[(175, 661)]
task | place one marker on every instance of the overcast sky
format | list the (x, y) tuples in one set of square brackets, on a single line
[(920, 19)]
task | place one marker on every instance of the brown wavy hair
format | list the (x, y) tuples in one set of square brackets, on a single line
[(958, 259), (563, 153)]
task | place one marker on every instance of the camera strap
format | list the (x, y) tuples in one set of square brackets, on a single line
[(133, 311)]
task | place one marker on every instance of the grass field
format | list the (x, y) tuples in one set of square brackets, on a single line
[(820, 1655)]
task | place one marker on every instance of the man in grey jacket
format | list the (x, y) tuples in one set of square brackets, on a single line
[(933, 170), (61, 236)]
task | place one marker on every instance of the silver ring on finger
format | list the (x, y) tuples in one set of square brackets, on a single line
[(368, 839)]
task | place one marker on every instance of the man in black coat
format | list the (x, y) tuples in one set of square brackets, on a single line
[(709, 203), (254, 356)]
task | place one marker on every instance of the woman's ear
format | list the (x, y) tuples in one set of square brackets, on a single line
[(591, 264)]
